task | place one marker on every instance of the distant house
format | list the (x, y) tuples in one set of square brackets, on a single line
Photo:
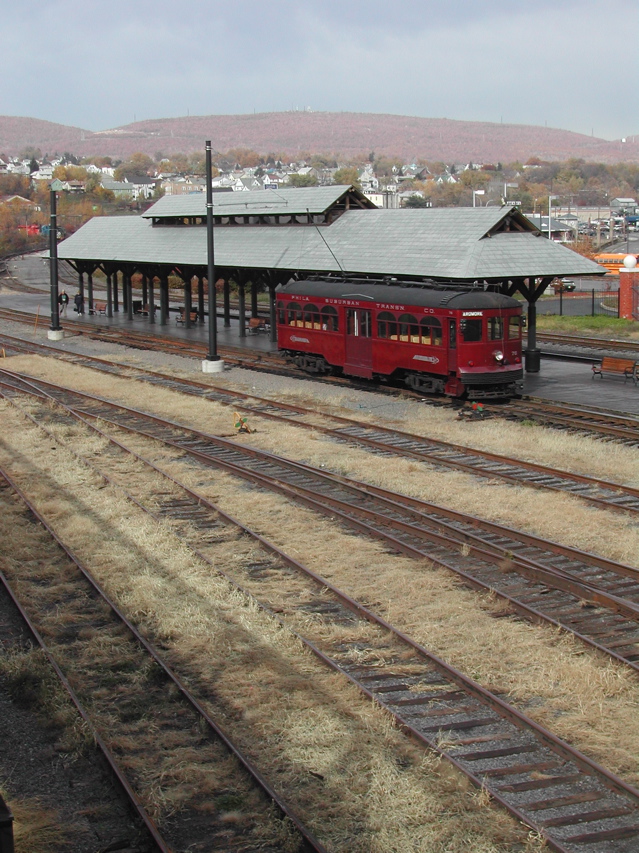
[(308, 170), (560, 231), (120, 189), (18, 201), (143, 188), (406, 194), (627, 205), (183, 186), (384, 199), (368, 180), (251, 183)]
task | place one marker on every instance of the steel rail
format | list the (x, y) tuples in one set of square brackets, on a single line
[(590, 421), (620, 498), (263, 408), (600, 344), (582, 591), (104, 749), (259, 779), (519, 720)]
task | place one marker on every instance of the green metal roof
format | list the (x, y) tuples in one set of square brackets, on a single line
[(445, 243), (291, 201)]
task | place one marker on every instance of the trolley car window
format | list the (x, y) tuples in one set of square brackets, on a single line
[(431, 331), (409, 328), (281, 313), (312, 317), (471, 330), (294, 314), (495, 328), (514, 328), (358, 323), (386, 325), (330, 320)]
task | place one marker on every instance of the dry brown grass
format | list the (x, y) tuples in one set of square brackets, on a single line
[(586, 700), (377, 792), (37, 829)]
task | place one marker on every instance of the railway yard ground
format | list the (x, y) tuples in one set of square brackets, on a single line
[(313, 689)]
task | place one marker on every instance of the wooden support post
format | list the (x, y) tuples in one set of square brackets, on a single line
[(109, 295), (164, 298), (81, 291), (128, 290), (188, 303), (242, 302), (200, 298), (151, 302), (272, 312), (116, 303), (227, 303), (254, 298), (145, 290), (90, 291)]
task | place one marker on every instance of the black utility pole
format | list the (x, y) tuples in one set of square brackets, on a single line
[(53, 265), (212, 354)]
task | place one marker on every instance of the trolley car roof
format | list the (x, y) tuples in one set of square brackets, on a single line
[(399, 295), (449, 244)]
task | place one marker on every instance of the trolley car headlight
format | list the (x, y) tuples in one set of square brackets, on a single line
[(499, 356)]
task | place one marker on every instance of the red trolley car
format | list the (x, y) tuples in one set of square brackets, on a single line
[(434, 338)]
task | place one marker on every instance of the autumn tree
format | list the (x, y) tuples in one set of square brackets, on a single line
[(15, 185), (70, 173), (302, 180), (474, 180), (244, 157), (417, 201), (347, 175), (100, 162), (137, 166), (384, 167)]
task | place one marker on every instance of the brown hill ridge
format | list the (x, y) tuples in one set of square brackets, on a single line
[(344, 134)]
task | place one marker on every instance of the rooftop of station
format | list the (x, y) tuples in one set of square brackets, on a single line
[(277, 230)]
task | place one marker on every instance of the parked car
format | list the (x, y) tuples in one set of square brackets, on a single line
[(563, 285)]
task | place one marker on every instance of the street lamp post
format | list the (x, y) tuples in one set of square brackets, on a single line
[(476, 193), (551, 198), (55, 332), (212, 363)]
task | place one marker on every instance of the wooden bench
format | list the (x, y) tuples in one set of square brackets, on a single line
[(625, 367), (257, 324), (145, 309), (180, 317), (99, 308)]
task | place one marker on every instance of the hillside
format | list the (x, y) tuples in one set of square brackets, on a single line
[(343, 134)]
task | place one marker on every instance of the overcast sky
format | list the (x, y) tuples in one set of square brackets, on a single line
[(570, 64)]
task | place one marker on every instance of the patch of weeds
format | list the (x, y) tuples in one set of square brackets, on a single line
[(229, 802)]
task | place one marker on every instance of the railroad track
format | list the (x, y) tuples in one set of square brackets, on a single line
[(577, 579), (257, 360), (593, 598), (589, 420), (599, 345), (123, 704), (606, 425), (573, 803), (607, 495)]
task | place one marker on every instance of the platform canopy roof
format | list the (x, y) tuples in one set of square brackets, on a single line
[(496, 245), (288, 201)]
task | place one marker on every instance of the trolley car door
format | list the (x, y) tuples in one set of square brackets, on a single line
[(359, 343), (452, 345)]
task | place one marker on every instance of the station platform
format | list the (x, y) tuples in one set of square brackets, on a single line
[(558, 380)]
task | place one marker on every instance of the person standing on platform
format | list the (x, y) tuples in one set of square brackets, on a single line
[(63, 301), (79, 303)]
